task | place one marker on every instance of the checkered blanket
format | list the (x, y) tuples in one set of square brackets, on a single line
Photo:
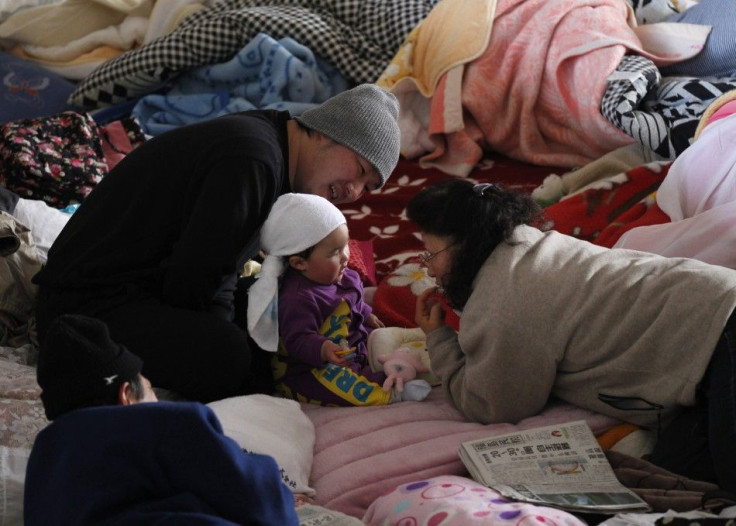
[(660, 113), (358, 37)]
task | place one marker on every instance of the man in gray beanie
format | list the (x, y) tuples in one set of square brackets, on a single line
[(364, 120), (156, 249)]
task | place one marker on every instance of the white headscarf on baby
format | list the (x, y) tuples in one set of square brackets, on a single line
[(296, 222)]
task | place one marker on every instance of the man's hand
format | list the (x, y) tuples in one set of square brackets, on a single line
[(429, 314)]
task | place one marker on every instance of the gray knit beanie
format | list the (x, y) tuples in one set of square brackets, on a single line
[(365, 120)]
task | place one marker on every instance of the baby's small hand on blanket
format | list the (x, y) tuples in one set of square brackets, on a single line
[(373, 321)]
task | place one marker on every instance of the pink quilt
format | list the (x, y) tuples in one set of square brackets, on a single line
[(535, 93), (361, 453)]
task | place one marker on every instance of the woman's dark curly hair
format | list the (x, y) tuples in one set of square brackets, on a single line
[(476, 218)]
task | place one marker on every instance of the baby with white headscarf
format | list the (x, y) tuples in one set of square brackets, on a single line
[(308, 307)]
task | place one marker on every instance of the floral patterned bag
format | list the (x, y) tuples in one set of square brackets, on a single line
[(58, 159)]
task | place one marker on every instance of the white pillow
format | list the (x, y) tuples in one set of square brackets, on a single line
[(8, 7), (272, 426), (13, 462), (44, 222)]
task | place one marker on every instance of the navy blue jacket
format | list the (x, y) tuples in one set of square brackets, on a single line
[(150, 463)]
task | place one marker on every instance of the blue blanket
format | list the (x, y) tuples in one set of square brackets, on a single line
[(265, 74), (358, 37)]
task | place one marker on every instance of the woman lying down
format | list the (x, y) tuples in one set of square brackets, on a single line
[(643, 338)]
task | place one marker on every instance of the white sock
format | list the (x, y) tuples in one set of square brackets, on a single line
[(415, 390)]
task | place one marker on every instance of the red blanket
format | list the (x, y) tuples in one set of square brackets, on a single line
[(602, 213), (599, 214), (379, 217)]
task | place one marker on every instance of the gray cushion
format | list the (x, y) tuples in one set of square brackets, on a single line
[(718, 57)]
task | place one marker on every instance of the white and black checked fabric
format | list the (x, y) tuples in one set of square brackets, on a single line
[(660, 113), (358, 37)]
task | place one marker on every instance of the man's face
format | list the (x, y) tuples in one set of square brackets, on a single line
[(334, 172), (149, 395)]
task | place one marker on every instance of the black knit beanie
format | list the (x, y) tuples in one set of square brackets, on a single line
[(79, 363)]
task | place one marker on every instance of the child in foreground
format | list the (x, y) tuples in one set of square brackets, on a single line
[(308, 305), (111, 457)]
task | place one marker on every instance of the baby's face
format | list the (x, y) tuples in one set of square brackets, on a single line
[(326, 264)]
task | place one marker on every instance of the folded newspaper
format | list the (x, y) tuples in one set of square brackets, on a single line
[(560, 465), (312, 515)]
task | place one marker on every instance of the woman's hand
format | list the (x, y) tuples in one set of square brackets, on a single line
[(430, 314), (373, 321)]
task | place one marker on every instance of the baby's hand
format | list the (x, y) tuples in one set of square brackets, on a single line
[(333, 353), (373, 321), (429, 315)]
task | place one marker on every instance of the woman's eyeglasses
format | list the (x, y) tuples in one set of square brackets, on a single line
[(427, 256)]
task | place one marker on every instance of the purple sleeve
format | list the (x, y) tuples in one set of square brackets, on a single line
[(359, 329), (352, 278), (300, 319)]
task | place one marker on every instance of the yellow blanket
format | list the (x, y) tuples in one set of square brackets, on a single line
[(425, 54)]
